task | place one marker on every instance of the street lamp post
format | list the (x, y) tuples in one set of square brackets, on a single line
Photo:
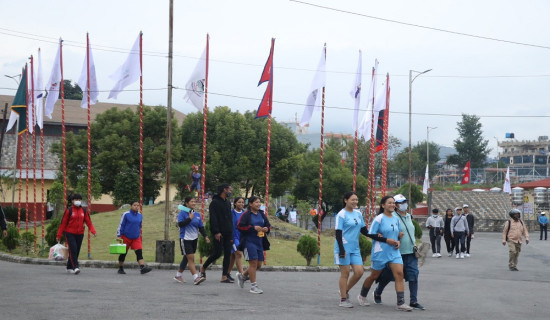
[(13, 78), (411, 79)]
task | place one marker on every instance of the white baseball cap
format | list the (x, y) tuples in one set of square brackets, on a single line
[(399, 198), (465, 206), (543, 213)]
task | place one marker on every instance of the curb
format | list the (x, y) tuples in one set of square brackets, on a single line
[(161, 266)]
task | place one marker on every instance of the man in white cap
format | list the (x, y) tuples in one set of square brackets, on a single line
[(543, 221), (470, 219)]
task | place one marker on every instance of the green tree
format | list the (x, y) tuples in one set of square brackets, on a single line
[(72, 92), (236, 151), (470, 144), (308, 248), (416, 194)]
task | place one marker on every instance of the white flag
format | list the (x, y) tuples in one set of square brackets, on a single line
[(314, 97), (365, 126), (507, 188), (356, 93), (127, 73), (83, 82), (194, 88), (426, 185), (53, 85), (39, 93), (13, 119)]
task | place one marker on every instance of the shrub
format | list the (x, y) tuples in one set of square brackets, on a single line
[(417, 229), (206, 249), (27, 242), (12, 239), (307, 247), (365, 246), (11, 213), (51, 232)]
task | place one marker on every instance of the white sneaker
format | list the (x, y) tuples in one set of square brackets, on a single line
[(439, 255), (404, 307), (363, 301), (345, 304), (461, 255), (434, 255), (457, 255), (467, 255), (76, 271), (256, 290), (449, 254), (70, 271)]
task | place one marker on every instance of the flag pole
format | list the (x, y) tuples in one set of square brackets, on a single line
[(89, 135), (372, 181), (141, 121), (385, 137), (320, 211), (20, 152), (355, 160), (33, 150), (62, 87), (42, 165), (269, 118), (204, 127), (27, 153)]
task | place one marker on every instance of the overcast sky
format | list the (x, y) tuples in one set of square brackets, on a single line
[(470, 75)]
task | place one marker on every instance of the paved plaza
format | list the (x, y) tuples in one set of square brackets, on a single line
[(480, 287)]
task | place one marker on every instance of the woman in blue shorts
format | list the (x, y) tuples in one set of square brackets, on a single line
[(236, 251), (384, 254), (253, 226), (349, 223)]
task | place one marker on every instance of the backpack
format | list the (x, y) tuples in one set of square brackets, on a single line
[(509, 225)]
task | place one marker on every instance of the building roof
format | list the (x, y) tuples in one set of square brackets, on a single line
[(75, 115), (535, 184)]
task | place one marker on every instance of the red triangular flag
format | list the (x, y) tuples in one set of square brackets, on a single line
[(267, 75), (466, 174)]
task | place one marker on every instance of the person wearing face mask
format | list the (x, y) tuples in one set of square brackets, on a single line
[(72, 226), (190, 224), (514, 230), (435, 225), (221, 227), (447, 232), (459, 230), (129, 232)]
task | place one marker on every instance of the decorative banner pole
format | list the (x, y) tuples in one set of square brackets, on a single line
[(385, 139), (356, 95), (27, 153), (20, 142), (141, 121), (33, 126), (63, 126), (204, 127), (89, 136), (320, 211)]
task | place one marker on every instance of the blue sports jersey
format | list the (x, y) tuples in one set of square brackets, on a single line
[(190, 231), (236, 218), (350, 223), (388, 228), (252, 237)]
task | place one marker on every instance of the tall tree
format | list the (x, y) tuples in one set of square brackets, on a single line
[(469, 144), (72, 92)]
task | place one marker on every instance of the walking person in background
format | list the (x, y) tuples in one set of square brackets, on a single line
[(543, 221), (435, 224), (459, 230), (190, 224), (3, 224), (253, 226), (129, 231), (470, 219), (348, 228), (449, 241), (236, 251), (514, 230), (72, 226)]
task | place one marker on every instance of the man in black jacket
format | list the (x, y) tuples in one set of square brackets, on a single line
[(470, 219), (221, 226), (3, 224)]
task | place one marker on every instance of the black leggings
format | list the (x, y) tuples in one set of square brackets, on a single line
[(224, 245), (74, 241), (139, 256)]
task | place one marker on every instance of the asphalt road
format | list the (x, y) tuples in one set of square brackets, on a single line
[(480, 287)]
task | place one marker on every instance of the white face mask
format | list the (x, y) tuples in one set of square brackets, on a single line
[(77, 203), (435, 215), (403, 206)]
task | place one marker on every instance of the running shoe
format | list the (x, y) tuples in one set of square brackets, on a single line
[(418, 306), (345, 304), (121, 271), (179, 279), (198, 280), (240, 280), (363, 301), (256, 290), (404, 307), (76, 271), (145, 270), (377, 299)]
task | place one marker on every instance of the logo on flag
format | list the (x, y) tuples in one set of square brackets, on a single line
[(197, 87)]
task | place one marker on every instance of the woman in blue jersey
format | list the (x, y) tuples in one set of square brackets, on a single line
[(236, 251), (253, 226), (190, 224), (384, 254), (349, 224)]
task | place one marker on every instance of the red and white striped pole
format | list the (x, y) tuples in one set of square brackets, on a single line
[(62, 88), (27, 153), (33, 121), (141, 121), (385, 138), (89, 137), (320, 211), (204, 126)]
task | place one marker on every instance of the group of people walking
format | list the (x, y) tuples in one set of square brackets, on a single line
[(457, 228)]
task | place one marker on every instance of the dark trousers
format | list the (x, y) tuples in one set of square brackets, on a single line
[(74, 242), (224, 245), (450, 242), (436, 242), (468, 240), (544, 227), (460, 238)]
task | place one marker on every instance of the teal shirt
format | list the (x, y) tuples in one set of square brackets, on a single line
[(406, 243)]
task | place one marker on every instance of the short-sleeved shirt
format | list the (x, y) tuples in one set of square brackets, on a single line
[(252, 238), (388, 227), (350, 223), (407, 244), (190, 231)]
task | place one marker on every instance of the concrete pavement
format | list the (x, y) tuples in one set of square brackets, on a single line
[(480, 287)]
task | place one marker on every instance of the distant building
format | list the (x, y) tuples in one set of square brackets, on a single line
[(528, 157)]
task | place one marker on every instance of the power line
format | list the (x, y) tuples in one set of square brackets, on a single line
[(421, 26)]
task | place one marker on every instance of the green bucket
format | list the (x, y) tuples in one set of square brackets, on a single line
[(117, 248)]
